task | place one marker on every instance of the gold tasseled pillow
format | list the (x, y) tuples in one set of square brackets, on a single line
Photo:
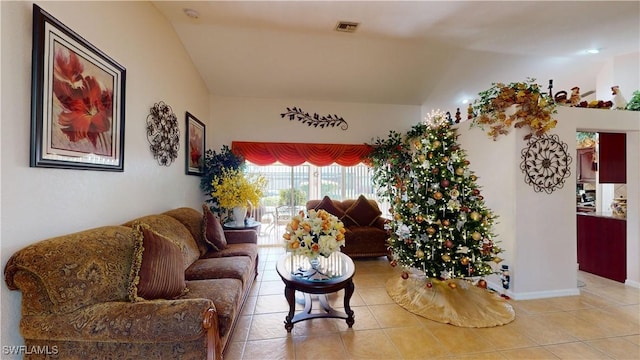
[(157, 271)]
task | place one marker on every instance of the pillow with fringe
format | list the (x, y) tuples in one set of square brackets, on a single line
[(157, 271)]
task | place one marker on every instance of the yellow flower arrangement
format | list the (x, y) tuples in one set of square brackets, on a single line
[(232, 188), (318, 234), (533, 108)]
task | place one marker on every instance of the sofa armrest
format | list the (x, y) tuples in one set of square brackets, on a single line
[(379, 223), (126, 322), (241, 236)]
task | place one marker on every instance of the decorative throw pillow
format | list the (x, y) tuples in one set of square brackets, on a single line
[(212, 231), (362, 212), (327, 204), (157, 271)]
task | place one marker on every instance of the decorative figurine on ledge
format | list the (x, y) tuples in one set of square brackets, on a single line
[(619, 102), (574, 100), (561, 97)]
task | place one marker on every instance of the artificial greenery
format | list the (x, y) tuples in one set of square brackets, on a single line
[(634, 103), (388, 158), (233, 188), (440, 224), (533, 109), (214, 165)]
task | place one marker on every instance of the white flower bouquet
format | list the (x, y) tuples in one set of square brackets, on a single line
[(320, 233)]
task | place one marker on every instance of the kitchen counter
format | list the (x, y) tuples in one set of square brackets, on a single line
[(602, 248), (607, 214)]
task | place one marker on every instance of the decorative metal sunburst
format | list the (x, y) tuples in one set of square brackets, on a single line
[(315, 120), (163, 133), (545, 163)]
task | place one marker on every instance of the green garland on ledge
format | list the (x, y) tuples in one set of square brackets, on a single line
[(634, 103)]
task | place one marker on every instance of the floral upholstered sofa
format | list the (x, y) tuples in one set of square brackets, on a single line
[(366, 235), (163, 286)]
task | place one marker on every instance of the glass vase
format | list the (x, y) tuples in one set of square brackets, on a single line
[(315, 263)]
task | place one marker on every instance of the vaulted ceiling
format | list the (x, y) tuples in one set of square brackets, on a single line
[(403, 52)]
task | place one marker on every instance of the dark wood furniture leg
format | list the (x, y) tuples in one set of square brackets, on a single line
[(290, 295), (348, 291)]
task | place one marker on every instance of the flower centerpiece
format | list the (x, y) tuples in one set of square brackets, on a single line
[(318, 234), (235, 191), (526, 104)]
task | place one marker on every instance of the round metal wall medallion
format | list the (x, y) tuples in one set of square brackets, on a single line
[(545, 163)]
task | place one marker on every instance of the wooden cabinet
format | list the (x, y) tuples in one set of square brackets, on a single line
[(602, 246), (586, 165), (612, 158)]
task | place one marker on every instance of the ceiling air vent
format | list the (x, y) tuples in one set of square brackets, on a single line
[(347, 26)]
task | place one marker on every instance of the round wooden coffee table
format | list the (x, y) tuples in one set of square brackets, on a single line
[(335, 273)]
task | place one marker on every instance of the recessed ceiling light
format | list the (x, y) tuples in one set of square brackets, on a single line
[(593, 51), (191, 13)]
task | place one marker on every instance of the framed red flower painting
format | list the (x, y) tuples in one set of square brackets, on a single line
[(195, 145), (77, 101)]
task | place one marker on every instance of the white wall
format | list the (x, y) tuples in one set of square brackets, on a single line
[(539, 247), (493, 162), (633, 208), (623, 71), (39, 203), (538, 230), (546, 230), (256, 119)]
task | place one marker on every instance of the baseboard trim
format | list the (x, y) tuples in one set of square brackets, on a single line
[(535, 294), (632, 283)]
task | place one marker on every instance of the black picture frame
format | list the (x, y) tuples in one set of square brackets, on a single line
[(77, 101), (195, 145)]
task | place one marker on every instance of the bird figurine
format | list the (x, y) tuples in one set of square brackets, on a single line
[(619, 102), (574, 100)]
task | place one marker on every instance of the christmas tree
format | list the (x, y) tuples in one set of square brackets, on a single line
[(440, 224)]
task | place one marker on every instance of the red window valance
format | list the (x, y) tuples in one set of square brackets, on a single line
[(293, 154)]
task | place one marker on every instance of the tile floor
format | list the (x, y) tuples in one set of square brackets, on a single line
[(602, 323)]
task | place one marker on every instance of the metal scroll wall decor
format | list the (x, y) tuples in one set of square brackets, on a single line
[(315, 120), (545, 163), (163, 133)]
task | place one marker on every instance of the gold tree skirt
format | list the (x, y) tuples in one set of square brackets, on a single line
[(456, 301)]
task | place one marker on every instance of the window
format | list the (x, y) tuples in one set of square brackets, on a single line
[(313, 182), (290, 187)]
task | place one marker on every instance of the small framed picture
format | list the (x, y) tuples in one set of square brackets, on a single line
[(77, 101), (195, 145)]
